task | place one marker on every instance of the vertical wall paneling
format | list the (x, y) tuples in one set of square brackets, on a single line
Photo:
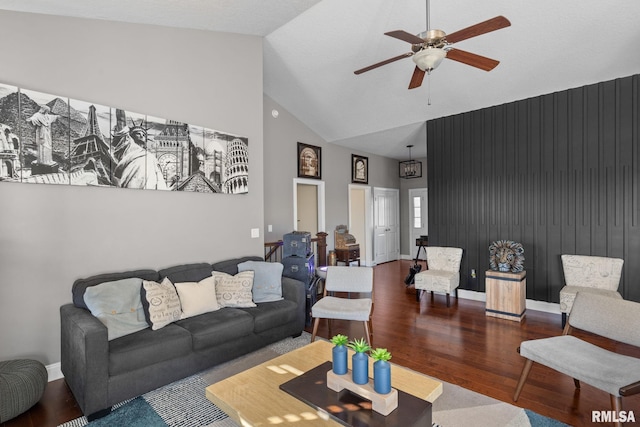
[(558, 173)]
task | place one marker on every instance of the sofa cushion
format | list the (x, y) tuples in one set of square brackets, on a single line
[(234, 291), (217, 327), (80, 285), (144, 348), (186, 272), (231, 266), (197, 297), (117, 304), (267, 280), (269, 315), (160, 302)]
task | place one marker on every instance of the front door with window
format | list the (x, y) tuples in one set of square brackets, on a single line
[(417, 218)]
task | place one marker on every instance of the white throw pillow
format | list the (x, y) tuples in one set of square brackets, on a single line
[(161, 303), (234, 291), (197, 297)]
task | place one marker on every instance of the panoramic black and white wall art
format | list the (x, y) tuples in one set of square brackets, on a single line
[(48, 139)]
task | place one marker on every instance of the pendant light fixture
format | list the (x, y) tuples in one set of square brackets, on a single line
[(410, 168)]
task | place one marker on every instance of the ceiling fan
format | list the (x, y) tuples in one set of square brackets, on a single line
[(430, 47)]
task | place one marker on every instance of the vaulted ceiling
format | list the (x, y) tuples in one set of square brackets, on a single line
[(312, 47)]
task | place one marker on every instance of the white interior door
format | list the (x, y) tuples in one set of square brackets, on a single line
[(386, 243), (418, 224)]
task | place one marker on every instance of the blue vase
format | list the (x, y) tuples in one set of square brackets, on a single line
[(360, 368), (339, 360), (382, 377)]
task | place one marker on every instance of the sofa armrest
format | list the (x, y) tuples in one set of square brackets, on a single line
[(294, 290), (85, 357)]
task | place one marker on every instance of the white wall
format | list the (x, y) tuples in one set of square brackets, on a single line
[(51, 235)]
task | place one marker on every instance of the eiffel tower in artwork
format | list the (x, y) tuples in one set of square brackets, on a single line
[(91, 152)]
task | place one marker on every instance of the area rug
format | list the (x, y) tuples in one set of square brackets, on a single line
[(183, 403)]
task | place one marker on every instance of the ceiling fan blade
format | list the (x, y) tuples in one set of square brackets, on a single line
[(380, 64), (404, 36), (416, 79), (478, 29), (482, 62)]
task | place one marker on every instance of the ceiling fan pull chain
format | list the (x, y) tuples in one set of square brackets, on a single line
[(429, 89)]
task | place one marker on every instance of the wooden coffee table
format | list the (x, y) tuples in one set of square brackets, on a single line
[(253, 397)]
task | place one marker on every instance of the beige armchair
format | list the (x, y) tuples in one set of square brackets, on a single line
[(614, 372), (595, 274), (443, 274)]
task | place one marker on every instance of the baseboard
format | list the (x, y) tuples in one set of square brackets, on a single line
[(547, 307), (54, 371)]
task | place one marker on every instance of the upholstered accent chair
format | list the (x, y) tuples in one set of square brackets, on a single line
[(443, 273), (595, 274), (348, 295), (615, 373)]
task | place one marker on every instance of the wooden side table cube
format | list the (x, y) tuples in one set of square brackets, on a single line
[(506, 294)]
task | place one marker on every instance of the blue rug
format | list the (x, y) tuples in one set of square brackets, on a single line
[(180, 404)]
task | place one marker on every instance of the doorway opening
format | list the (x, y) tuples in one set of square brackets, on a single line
[(308, 205), (361, 220)]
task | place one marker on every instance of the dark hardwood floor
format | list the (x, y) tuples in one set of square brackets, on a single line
[(458, 344)]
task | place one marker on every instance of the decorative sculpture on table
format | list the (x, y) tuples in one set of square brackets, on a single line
[(506, 255), (360, 361), (381, 370), (339, 354)]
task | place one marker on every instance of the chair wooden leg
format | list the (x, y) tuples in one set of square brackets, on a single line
[(316, 322), (616, 406), (366, 332), (564, 319), (418, 294), (448, 302), (523, 378), (576, 383), (329, 328)]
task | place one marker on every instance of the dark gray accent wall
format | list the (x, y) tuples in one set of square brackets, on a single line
[(558, 173)]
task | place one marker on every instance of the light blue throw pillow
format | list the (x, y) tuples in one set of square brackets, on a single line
[(267, 280), (117, 304)]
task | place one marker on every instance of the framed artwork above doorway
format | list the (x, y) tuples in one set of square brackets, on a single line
[(359, 169), (309, 161)]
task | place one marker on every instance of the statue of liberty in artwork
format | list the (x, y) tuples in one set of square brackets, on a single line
[(136, 167)]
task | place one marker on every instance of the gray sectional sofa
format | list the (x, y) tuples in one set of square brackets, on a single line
[(102, 373)]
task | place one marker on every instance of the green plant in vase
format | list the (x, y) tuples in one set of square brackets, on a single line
[(381, 354), (359, 346), (340, 339), (381, 370), (360, 361), (339, 353)]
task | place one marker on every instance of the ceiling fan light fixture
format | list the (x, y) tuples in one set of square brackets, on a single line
[(428, 59)]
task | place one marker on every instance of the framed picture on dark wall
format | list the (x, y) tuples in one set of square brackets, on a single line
[(359, 169), (309, 161)]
